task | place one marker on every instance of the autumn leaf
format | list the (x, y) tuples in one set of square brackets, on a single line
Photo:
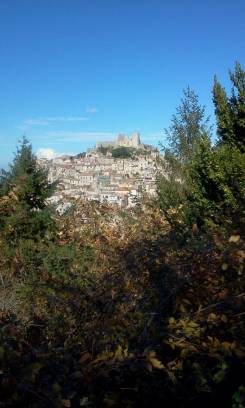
[(66, 403), (234, 238), (153, 361)]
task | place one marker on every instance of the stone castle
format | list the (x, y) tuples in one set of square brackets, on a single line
[(122, 140)]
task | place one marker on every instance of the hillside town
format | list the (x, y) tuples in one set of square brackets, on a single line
[(98, 175)]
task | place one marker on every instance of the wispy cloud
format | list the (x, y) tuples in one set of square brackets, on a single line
[(45, 121), (35, 122), (66, 136), (91, 110), (48, 138), (48, 153), (66, 118)]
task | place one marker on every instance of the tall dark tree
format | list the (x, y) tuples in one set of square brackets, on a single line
[(27, 187), (29, 179), (230, 111), (216, 180), (217, 173)]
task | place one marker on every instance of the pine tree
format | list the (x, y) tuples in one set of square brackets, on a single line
[(27, 187), (28, 179), (188, 126), (217, 173), (216, 180), (230, 111)]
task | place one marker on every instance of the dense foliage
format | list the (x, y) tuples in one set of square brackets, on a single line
[(188, 127), (24, 190), (230, 111), (145, 307), (123, 152)]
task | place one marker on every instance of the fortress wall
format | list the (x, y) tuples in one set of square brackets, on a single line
[(122, 140)]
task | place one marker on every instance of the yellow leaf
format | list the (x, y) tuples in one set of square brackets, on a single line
[(241, 255), (119, 354), (153, 361), (186, 301), (66, 403), (211, 317), (226, 345), (182, 308), (156, 363), (224, 266), (193, 325), (234, 238), (194, 228)]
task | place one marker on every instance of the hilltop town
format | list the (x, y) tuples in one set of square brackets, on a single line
[(114, 171)]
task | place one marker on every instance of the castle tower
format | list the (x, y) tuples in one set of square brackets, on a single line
[(135, 139), (121, 137)]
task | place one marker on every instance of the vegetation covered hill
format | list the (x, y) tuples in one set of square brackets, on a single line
[(109, 308), (124, 152)]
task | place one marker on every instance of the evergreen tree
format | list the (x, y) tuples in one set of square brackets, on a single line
[(230, 111), (27, 187), (216, 180), (188, 126), (216, 175)]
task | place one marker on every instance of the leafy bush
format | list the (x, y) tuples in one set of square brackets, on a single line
[(122, 152), (217, 186)]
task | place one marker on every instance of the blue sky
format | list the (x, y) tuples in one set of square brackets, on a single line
[(76, 71)]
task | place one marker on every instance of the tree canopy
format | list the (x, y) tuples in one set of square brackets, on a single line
[(188, 125), (27, 188), (230, 110)]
